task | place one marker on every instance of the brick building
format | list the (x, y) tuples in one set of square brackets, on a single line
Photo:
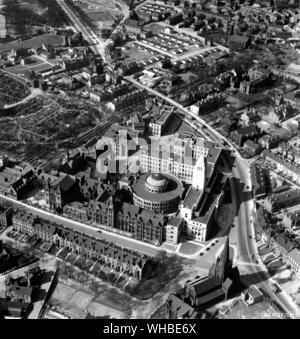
[(118, 259)]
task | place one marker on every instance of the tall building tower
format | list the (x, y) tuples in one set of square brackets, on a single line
[(199, 174), (111, 212)]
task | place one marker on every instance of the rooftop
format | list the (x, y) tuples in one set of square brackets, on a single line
[(192, 198), (174, 188), (175, 222)]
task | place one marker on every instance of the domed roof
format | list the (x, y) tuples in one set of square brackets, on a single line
[(157, 180)]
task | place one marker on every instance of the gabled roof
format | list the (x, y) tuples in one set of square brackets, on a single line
[(64, 183), (204, 285)]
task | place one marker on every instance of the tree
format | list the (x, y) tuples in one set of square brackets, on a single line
[(110, 277), (102, 275)]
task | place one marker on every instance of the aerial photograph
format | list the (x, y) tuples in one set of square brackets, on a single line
[(150, 161)]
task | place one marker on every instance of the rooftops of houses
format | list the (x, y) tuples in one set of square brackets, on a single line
[(252, 145), (64, 182), (239, 38), (285, 196), (8, 176), (280, 160), (165, 113), (254, 291), (175, 222), (248, 131), (181, 309), (284, 241), (23, 216)]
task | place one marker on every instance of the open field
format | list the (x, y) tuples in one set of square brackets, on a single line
[(77, 302), (24, 70), (34, 42), (135, 54), (22, 17), (262, 310), (100, 13)]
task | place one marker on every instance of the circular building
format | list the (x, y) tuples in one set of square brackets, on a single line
[(158, 192)]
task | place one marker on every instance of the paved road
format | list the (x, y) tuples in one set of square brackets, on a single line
[(119, 240), (247, 248), (98, 46)]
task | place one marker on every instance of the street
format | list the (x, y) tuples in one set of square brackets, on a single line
[(251, 266), (100, 46)]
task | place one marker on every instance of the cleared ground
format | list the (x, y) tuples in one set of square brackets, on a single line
[(262, 310), (77, 303)]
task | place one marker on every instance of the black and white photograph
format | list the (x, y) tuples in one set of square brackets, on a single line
[(149, 162)]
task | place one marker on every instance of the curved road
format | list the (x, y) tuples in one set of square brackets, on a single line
[(250, 263)]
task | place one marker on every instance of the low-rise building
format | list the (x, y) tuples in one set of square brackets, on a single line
[(133, 27), (5, 216), (118, 259), (276, 202), (249, 117), (239, 43), (291, 220), (19, 294), (76, 210), (16, 182), (23, 222), (253, 295), (245, 133), (269, 141), (282, 166), (251, 148)]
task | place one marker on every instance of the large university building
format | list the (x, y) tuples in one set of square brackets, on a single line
[(158, 192), (181, 158)]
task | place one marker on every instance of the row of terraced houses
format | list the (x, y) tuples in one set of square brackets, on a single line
[(117, 258)]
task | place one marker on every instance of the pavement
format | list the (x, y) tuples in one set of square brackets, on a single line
[(98, 46), (246, 245), (101, 234), (86, 31), (253, 269)]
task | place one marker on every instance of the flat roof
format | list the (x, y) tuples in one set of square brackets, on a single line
[(192, 197), (175, 188), (175, 222)]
